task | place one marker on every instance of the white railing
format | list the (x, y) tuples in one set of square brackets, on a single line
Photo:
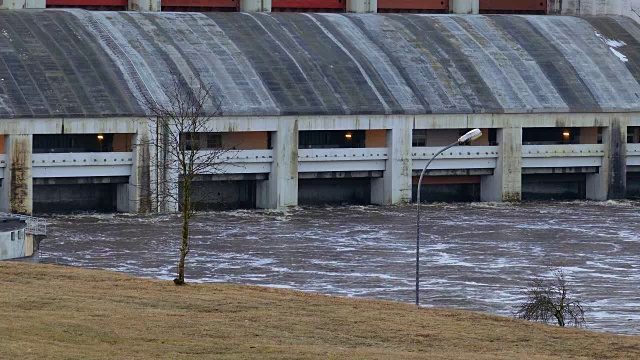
[(54, 165), (633, 154), (242, 162), (35, 225), (557, 156), (332, 160), (457, 158)]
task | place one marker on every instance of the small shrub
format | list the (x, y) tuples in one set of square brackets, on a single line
[(549, 300)]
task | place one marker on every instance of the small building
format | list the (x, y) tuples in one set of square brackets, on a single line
[(14, 242)]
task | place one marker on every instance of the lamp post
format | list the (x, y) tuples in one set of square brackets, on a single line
[(470, 136)]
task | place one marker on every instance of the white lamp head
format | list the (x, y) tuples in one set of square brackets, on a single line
[(470, 136)]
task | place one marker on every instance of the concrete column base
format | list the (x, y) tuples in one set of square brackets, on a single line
[(145, 5), (281, 189), (16, 193), (23, 4), (395, 185), (611, 180), (464, 6), (362, 6), (506, 182), (135, 196), (255, 5), (122, 198)]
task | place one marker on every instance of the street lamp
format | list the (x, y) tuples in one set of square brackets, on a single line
[(470, 136)]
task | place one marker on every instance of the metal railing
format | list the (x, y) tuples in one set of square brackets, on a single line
[(459, 158), (557, 156), (336, 159), (35, 225)]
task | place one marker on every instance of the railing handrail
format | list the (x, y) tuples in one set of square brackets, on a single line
[(569, 150), (460, 152), (35, 225), (342, 154), (633, 148), (82, 159)]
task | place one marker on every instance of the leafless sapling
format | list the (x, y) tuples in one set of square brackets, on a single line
[(550, 300), (185, 147)]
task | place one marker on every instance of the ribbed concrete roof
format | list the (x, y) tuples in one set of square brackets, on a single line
[(78, 63)]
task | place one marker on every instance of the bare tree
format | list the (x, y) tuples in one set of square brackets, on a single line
[(550, 299), (185, 147)]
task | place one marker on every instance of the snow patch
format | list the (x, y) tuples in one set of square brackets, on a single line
[(613, 45)]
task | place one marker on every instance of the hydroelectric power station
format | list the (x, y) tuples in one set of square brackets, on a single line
[(321, 108)]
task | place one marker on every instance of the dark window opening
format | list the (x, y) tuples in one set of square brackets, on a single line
[(72, 143), (332, 139), (202, 141), (214, 141), (633, 135), (419, 138), (443, 137), (559, 136), (493, 137)]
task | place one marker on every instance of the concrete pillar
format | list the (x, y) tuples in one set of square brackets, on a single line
[(506, 182), (135, 196), (22, 4), (464, 6), (169, 186), (255, 5), (145, 5), (281, 189), (157, 170), (16, 195), (395, 185), (611, 180), (362, 6)]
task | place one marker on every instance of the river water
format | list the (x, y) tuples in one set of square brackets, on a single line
[(475, 256)]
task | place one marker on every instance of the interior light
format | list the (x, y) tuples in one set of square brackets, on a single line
[(566, 134), (100, 137), (348, 135)]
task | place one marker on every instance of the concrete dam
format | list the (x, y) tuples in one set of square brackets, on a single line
[(319, 108)]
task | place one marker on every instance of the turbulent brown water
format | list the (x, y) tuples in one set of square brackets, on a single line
[(474, 256)]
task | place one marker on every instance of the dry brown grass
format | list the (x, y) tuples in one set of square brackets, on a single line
[(68, 313)]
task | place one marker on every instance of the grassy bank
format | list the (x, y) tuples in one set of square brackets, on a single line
[(60, 312)]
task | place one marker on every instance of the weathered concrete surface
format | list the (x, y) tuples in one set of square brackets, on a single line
[(506, 182), (255, 5), (17, 245), (138, 191), (281, 189), (22, 4), (595, 7), (311, 64), (16, 193), (395, 186), (362, 6), (617, 144), (144, 5), (465, 6)]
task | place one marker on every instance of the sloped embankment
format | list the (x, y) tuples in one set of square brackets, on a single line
[(60, 312)]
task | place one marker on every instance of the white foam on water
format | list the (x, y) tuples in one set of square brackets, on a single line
[(482, 262)]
